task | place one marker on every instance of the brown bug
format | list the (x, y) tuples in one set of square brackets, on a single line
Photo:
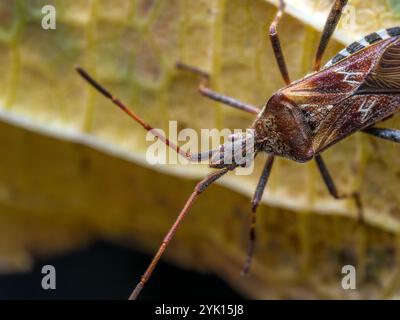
[(355, 90)]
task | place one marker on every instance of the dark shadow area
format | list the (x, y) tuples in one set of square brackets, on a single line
[(108, 271)]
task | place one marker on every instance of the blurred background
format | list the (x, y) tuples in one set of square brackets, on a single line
[(76, 191)]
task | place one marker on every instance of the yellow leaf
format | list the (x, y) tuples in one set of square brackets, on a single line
[(73, 168)]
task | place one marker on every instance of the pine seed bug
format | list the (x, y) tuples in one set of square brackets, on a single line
[(354, 91)]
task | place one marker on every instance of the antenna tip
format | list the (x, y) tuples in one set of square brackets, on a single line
[(80, 70)]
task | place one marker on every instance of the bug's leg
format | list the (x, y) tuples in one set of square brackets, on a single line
[(200, 187), (211, 94), (387, 134), (255, 203), (329, 29), (333, 190), (191, 157), (276, 44)]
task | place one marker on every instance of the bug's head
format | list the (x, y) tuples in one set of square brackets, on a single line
[(280, 129), (239, 150)]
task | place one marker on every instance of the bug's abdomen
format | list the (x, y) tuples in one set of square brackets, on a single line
[(353, 114)]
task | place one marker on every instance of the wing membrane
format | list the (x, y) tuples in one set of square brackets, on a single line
[(385, 77)]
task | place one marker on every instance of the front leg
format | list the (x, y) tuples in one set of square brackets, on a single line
[(209, 93), (330, 26), (333, 190), (276, 44), (262, 183)]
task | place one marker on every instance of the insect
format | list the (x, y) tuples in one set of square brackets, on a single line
[(355, 90)]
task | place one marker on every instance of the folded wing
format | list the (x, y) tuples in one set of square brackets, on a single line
[(385, 77)]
